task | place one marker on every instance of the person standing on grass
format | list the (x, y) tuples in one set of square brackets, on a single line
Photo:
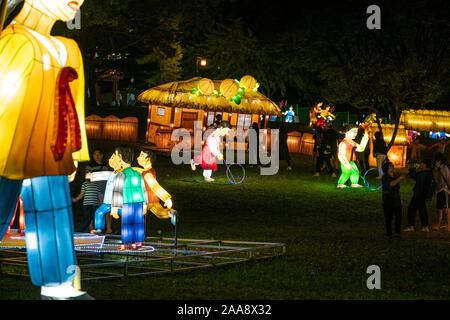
[(379, 152), (325, 152), (442, 177), (424, 178), (284, 150), (391, 202), (90, 193)]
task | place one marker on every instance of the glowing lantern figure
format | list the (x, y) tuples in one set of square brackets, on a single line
[(290, 114), (129, 193), (154, 190), (347, 157), (42, 134)]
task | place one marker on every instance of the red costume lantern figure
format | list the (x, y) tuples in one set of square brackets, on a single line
[(155, 192), (207, 160), (42, 136), (347, 157)]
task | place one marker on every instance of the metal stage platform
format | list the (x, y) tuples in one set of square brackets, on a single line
[(157, 256)]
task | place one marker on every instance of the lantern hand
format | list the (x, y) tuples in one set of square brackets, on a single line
[(168, 204), (114, 212)]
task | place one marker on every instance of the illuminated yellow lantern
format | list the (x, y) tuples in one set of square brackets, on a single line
[(28, 85), (229, 88), (206, 86), (248, 82), (42, 136)]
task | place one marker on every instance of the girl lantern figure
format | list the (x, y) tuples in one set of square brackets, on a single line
[(207, 160), (347, 157), (154, 191), (129, 193), (42, 136)]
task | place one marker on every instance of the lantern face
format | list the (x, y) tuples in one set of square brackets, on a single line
[(351, 134), (115, 161), (143, 160), (64, 10)]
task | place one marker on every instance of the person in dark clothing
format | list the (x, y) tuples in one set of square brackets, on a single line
[(391, 202), (363, 156), (423, 177), (379, 152), (256, 128), (333, 137), (318, 138), (284, 150), (325, 153)]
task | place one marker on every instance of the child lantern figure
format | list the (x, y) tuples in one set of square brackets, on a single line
[(347, 157), (42, 137), (207, 160), (154, 191), (130, 195)]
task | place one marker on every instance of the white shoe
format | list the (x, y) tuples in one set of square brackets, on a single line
[(341, 186), (357, 186), (209, 179), (193, 167)]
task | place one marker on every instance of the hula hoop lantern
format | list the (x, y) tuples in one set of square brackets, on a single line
[(230, 175)]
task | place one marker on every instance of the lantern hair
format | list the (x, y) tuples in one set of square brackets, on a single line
[(126, 152)]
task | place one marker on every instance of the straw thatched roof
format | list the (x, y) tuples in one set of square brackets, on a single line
[(180, 95), (426, 120)]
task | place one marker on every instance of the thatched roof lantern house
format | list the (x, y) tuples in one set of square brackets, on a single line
[(179, 104)]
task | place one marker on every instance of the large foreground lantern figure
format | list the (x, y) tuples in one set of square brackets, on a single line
[(347, 157), (42, 135)]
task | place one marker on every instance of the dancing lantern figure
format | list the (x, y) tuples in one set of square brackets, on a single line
[(129, 193), (314, 112), (155, 192), (347, 157), (42, 135)]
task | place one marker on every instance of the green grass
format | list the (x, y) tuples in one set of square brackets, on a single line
[(332, 236)]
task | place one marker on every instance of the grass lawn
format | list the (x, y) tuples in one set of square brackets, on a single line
[(332, 236)]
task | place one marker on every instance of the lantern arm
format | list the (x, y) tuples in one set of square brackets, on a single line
[(362, 146), (17, 60), (156, 188), (144, 190), (117, 195)]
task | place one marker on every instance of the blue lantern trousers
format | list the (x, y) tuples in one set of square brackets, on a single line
[(48, 228), (133, 223)]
